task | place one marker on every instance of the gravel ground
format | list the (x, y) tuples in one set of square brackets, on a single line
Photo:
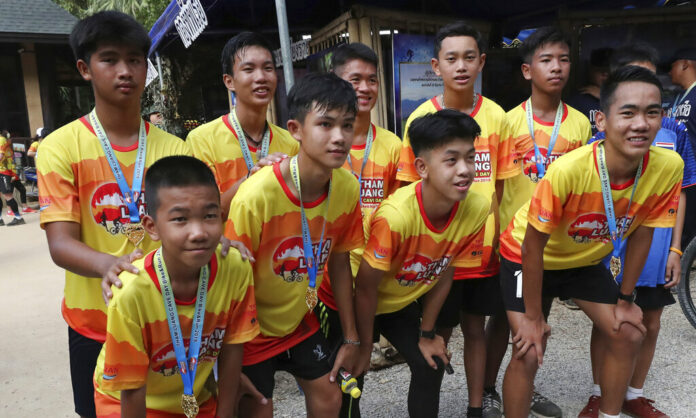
[(565, 376)]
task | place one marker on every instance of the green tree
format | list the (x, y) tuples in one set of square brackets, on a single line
[(145, 11)]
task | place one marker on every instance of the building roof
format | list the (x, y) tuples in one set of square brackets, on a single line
[(29, 20)]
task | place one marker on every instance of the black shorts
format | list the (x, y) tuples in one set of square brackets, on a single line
[(653, 297), (480, 296), (307, 360), (83, 360), (591, 283), (6, 186)]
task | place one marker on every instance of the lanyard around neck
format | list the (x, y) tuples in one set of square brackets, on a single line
[(541, 162), (241, 136), (368, 147)]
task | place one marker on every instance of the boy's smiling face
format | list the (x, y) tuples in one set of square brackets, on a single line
[(253, 77), (362, 75), (449, 168), (189, 224), (117, 73), (459, 62), (549, 67), (325, 135)]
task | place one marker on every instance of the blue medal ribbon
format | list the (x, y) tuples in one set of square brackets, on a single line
[(368, 146), (311, 257), (130, 194), (616, 233), (241, 136), (541, 162), (187, 364)]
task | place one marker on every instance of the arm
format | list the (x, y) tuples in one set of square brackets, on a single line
[(673, 273), (532, 325), (432, 303), (226, 197), (366, 284), (342, 286), (133, 403), (230, 368), (499, 188), (637, 249), (68, 252)]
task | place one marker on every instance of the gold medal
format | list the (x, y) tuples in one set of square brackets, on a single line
[(311, 297), (134, 232), (615, 266), (189, 405)]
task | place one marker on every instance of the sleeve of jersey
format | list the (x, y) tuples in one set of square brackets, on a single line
[(546, 206), (508, 164), (201, 150), (242, 324), (587, 131), (58, 194), (406, 170), (125, 359), (242, 224), (354, 235), (686, 152), (664, 213), (383, 242)]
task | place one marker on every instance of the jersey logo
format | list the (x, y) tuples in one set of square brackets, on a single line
[(289, 261), (378, 256), (544, 220), (372, 191), (319, 352), (593, 227), (421, 269), (666, 145), (109, 208), (482, 164), (164, 360), (529, 163)]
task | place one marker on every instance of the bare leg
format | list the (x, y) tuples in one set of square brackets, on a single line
[(497, 335), (474, 356), (322, 397), (651, 320), (598, 348)]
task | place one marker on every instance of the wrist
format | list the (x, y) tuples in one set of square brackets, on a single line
[(676, 250), (426, 333), (626, 298), (352, 342)]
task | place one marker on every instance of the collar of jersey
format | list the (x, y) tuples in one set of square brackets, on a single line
[(252, 148), (473, 112), (419, 197), (133, 147), (153, 275), (543, 122), (629, 183), (288, 192)]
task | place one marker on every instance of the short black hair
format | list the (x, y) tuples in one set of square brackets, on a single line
[(459, 28), (637, 52), (625, 74), (352, 51), (107, 28), (542, 36), (175, 171), (237, 44), (436, 129), (325, 91), (5, 133)]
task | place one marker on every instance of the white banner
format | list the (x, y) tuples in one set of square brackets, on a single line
[(191, 21), (299, 50), (151, 73)]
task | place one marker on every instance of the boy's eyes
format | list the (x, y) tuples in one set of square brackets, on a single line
[(178, 219)]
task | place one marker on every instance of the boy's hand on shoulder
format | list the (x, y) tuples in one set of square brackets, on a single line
[(271, 159), (243, 250), (629, 313), (120, 264), (347, 357), (434, 347), (531, 333)]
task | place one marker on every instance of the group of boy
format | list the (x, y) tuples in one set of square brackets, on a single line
[(329, 251), (9, 181)]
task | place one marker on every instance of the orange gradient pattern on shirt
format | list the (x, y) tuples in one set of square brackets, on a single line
[(108, 407), (568, 205), (216, 144), (76, 185), (412, 252), (269, 224), (6, 156), (138, 350)]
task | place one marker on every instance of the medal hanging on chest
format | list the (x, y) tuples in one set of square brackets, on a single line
[(313, 258), (241, 136), (188, 364), (614, 231), (541, 162), (134, 230)]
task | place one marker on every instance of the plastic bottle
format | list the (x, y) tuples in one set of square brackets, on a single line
[(348, 383)]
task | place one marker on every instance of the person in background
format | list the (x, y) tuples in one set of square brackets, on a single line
[(587, 99)]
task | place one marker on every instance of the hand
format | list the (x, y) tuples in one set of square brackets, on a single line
[(629, 313), (347, 357), (673, 271), (246, 388), (531, 333), (271, 159), (433, 348), (110, 277), (362, 364), (243, 250)]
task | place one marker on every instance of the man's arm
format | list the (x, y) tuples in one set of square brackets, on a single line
[(68, 252), (226, 197), (342, 286), (533, 325), (366, 284), (432, 303), (673, 273), (229, 375), (133, 403)]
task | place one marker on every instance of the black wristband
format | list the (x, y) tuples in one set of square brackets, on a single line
[(427, 334), (628, 298)]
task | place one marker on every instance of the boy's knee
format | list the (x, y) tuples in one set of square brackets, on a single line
[(653, 327), (329, 404), (628, 336), (528, 363)]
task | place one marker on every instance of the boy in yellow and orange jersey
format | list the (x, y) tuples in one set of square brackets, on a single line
[(236, 145), (90, 184), (459, 59), (580, 212), (418, 236), (307, 217), (186, 308)]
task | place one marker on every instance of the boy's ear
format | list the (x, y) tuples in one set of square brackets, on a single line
[(83, 68), (150, 227), (483, 62), (228, 80), (421, 167), (526, 71), (600, 121), (435, 64), (295, 129)]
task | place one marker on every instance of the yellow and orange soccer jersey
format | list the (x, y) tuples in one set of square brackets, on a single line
[(412, 252), (265, 216), (574, 132), (6, 155), (378, 182), (34, 146), (138, 350), (494, 161), (568, 205), (216, 144), (76, 185)]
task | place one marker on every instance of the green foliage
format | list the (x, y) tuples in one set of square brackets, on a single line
[(145, 11)]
